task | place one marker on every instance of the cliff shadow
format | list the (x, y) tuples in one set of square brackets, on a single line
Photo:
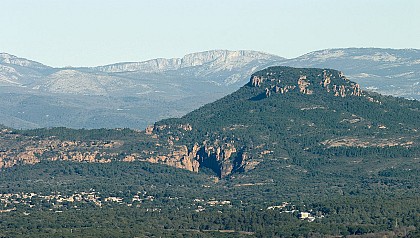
[(259, 97)]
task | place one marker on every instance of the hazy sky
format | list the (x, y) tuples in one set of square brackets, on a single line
[(97, 32)]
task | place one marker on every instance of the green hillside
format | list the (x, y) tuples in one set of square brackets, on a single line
[(300, 127)]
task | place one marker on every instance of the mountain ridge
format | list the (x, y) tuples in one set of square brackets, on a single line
[(170, 87), (130, 96), (14, 60), (188, 60)]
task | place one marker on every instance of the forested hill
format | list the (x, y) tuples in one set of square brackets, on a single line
[(295, 113)]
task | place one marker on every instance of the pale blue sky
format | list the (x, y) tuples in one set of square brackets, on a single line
[(97, 32)]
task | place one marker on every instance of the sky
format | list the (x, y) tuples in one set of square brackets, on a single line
[(97, 32)]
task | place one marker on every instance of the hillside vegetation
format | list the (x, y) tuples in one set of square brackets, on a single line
[(295, 152)]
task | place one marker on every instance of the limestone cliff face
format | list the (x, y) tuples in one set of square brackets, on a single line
[(256, 81), (215, 59), (29, 157), (155, 65), (222, 158), (303, 85), (179, 157), (30, 150), (330, 82)]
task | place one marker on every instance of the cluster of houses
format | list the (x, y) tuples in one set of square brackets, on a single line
[(289, 208), (10, 201)]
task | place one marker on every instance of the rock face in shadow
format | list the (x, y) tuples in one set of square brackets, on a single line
[(222, 158)]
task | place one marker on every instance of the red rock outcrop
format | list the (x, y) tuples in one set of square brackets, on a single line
[(256, 81), (267, 92), (356, 90), (303, 85)]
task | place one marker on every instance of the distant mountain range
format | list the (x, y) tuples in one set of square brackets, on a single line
[(120, 95), (135, 94)]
